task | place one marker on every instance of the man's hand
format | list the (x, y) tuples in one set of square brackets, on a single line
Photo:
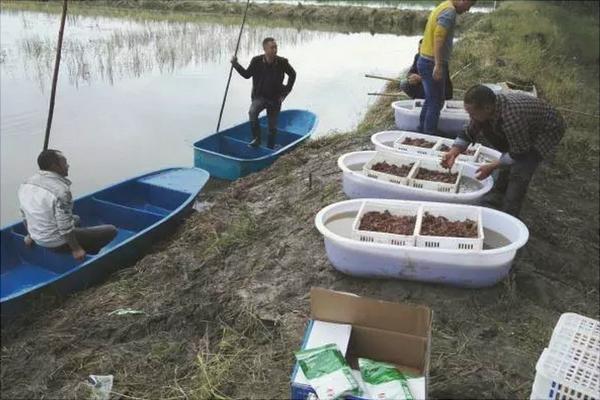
[(449, 158), (437, 72), (78, 254), (234, 60), (28, 241), (414, 79), (486, 170)]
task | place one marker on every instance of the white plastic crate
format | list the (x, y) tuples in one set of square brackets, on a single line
[(452, 213), (415, 149), (574, 330), (559, 376), (383, 237), (462, 157), (390, 158), (434, 165)]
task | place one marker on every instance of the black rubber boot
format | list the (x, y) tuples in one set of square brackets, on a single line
[(271, 140), (256, 136)]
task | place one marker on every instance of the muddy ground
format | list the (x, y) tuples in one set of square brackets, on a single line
[(225, 299)]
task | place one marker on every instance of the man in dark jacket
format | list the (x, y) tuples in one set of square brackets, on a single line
[(268, 91), (525, 129), (413, 86)]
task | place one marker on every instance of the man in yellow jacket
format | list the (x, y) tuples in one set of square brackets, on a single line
[(434, 56)]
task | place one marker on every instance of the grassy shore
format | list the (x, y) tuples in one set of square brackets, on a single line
[(225, 300), (322, 17)]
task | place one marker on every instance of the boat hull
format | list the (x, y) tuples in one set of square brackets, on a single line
[(26, 272), (227, 154), (452, 121)]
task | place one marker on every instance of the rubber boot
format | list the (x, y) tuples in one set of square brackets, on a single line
[(271, 140), (255, 134)]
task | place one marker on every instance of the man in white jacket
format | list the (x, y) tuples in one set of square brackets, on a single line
[(47, 211)]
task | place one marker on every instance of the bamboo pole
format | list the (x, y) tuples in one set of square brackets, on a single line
[(383, 78), (55, 76), (237, 46)]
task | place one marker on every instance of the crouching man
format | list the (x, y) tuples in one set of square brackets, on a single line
[(525, 129)]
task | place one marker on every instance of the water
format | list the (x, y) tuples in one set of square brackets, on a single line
[(133, 95), (341, 224)]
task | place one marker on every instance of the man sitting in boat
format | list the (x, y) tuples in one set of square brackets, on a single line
[(268, 91), (47, 211), (524, 128), (413, 87)]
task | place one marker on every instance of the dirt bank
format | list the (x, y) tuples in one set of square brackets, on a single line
[(225, 300)]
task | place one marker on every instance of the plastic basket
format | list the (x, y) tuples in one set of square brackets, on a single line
[(453, 213), (390, 159), (461, 157), (382, 237), (434, 165), (561, 376), (575, 330), (415, 149)]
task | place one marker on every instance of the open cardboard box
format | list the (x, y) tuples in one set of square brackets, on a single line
[(381, 330)]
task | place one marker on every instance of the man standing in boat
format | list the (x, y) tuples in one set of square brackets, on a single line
[(47, 211), (268, 91), (524, 128), (434, 55)]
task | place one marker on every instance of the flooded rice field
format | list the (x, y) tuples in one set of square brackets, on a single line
[(133, 95)]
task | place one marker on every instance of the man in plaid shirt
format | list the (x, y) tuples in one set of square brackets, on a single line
[(525, 129)]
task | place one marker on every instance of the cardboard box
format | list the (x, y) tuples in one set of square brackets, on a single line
[(383, 331)]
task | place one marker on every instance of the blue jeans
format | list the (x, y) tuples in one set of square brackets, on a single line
[(434, 96)]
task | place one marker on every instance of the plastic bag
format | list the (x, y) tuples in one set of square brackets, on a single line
[(327, 372), (383, 381)]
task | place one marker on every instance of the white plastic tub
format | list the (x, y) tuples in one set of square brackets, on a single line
[(384, 141), (358, 185), (453, 117), (504, 235)]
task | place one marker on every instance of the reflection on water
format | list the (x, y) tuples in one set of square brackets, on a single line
[(133, 95), (96, 49), (399, 4)]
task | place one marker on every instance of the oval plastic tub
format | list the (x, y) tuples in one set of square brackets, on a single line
[(452, 267), (358, 185), (384, 141), (453, 117)]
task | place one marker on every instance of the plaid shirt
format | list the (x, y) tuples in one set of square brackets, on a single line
[(521, 123)]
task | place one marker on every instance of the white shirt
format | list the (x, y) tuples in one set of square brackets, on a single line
[(46, 205)]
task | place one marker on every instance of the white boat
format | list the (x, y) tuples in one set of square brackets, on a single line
[(384, 141), (356, 184), (453, 117), (504, 235)]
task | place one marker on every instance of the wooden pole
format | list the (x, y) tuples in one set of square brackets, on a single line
[(55, 76), (383, 78), (237, 46)]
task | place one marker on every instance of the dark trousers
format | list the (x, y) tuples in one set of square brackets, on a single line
[(92, 239), (272, 106), (434, 96), (510, 187)]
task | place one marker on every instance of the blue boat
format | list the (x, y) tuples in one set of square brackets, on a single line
[(143, 209), (226, 154)]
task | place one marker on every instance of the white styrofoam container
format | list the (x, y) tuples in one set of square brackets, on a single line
[(416, 149), (575, 330), (462, 157), (453, 213), (384, 237), (561, 376), (434, 165), (390, 158)]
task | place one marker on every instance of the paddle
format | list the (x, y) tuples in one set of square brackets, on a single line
[(55, 77), (237, 46)]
